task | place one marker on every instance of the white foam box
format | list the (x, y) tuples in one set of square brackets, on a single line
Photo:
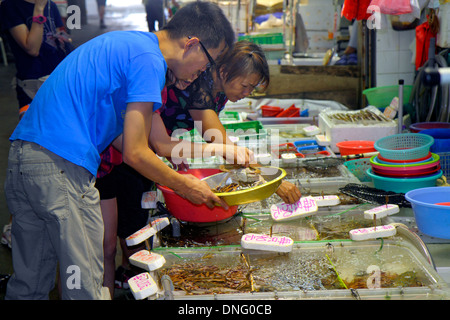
[(368, 130), (142, 286)]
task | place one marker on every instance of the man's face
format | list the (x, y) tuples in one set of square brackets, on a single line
[(195, 61)]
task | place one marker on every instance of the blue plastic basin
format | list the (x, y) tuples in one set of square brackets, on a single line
[(441, 139), (431, 219)]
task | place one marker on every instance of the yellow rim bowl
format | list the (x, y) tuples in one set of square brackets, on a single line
[(272, 175)]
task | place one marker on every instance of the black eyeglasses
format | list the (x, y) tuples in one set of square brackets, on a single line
[(210, 59)]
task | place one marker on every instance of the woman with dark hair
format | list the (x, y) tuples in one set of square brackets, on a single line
[(236, 74)]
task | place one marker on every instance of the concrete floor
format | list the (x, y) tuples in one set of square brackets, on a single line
[(117, 17)]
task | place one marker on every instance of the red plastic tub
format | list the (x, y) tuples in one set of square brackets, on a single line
[(269, 111), (290, 112), (185, 210)]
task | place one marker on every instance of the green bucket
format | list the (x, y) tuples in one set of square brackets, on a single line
[(381, 97)]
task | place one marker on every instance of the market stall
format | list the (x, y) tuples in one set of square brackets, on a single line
[(348, 237)]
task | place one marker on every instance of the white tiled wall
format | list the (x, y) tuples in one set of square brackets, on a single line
[(394, 57)]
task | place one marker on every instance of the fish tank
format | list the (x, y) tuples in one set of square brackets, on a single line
[(390, 270), (328, 224)]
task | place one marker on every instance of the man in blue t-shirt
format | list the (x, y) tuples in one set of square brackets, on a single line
[(107, 87)]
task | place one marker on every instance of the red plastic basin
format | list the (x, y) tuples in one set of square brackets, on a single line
[(185, 210), (355, 147)]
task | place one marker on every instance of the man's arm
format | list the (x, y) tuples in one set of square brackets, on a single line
[(137, 154)]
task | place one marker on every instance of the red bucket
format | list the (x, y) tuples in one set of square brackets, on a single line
[(355, 147), (185, 210)]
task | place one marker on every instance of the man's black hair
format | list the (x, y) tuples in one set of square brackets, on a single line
[(204, 20)]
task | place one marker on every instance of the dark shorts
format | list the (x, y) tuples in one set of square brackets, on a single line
[(101, 3), (125, 184)]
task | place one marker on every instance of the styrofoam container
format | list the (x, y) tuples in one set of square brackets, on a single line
[(348, 131)]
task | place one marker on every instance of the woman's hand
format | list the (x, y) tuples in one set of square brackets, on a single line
[(238, 155), (288, 192)]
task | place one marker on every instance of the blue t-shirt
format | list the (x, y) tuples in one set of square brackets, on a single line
[(17, 12), (80, 108)]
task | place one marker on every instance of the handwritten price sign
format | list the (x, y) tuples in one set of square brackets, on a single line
[(372, 232), (304, 207), (265, 242), (142, 286)]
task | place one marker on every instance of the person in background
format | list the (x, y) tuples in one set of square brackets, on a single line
[(350, 57), (235, 76), (62, 8), (38, 41), (101, 4), (36, 35), (107, 87), (155, 13)]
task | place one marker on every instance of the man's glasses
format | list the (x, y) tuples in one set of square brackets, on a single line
[(210, 59)]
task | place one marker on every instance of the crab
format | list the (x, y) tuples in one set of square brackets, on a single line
[(244, 175), (237, 177)]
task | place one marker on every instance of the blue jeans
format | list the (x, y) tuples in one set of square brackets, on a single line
[(56, 219)]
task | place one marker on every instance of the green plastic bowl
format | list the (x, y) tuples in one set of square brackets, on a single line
[(403, 185), (358, 168), (381, 97), (434, 158)]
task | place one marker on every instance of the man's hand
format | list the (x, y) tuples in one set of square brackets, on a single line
[(198, 192)]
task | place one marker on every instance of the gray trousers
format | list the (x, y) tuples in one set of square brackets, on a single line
[(56, 219)]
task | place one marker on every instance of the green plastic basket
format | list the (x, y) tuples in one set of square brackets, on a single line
[(263, 38), (381, 97), (358, 168)]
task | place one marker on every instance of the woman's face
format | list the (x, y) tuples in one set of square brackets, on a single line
[(241, 87)]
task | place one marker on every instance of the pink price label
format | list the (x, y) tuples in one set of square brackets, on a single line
[(381, 208), (138, 233), (262, 238), (149, 196), (142, 281), (367, 230), (145, 256), (304, 205)]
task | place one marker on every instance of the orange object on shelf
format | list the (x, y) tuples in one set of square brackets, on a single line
[(355, 147), (290, 112), (270, 111)]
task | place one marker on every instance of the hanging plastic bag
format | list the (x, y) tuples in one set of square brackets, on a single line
[(408, 21), (355, 9), (416, 9), (393, 7)]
